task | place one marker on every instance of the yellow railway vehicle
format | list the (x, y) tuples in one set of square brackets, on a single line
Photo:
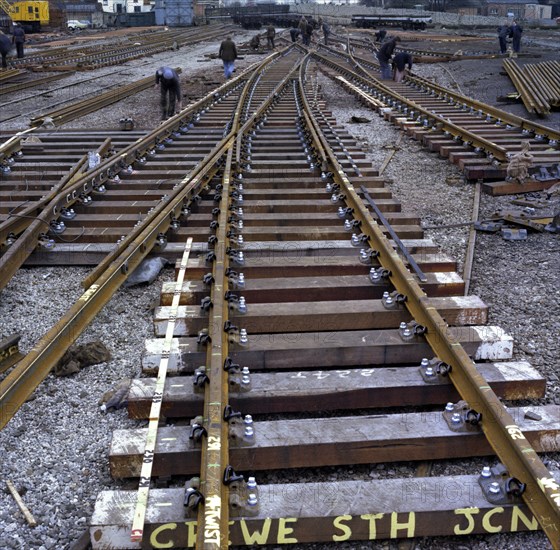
[(31, 15)]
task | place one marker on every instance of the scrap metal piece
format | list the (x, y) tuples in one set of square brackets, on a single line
[(488, 227), (509, 234)]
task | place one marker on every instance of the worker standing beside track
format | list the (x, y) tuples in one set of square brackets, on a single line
[(270, 34), (515, 32), (326, 32), (302, 26), (384, 56), (228, 54), (18, 39), (170, 88), (503, 32)]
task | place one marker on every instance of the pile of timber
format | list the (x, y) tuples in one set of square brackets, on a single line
[(538, 84)]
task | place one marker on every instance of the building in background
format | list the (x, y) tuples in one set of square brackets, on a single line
[(174, 13), (127, 6), (518, 9)]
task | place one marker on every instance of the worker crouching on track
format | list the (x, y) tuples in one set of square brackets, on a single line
[(400, 62), (170, 89), (255, 42), (228, 55), (384, 56)]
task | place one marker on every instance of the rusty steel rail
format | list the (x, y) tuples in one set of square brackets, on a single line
[(109, 275), (314, 153), (538, 84), (93, 180), (89, 57), (20, 383), (483, 109), (416, 111), (494, 114), (530, 95), (22, 86), (528, 126), (542, 492), (216, 474), (89, 105)]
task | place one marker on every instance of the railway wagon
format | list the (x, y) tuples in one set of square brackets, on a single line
[(30, 14), (415, 22)]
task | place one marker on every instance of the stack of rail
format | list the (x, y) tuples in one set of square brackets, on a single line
[(538, 84)]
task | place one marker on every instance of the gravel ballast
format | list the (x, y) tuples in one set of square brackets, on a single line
[(55, 449)]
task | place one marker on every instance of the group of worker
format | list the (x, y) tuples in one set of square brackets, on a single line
[(399, 62), (513, 31), (391, 66), (6, 44)]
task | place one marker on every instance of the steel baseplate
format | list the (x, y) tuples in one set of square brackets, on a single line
[(499, 486)]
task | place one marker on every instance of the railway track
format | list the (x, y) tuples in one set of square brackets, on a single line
[(296, 296), (479, 138), (102, 55)]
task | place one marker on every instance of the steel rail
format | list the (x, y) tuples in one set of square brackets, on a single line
[(101, 175), (35, 366), (146, 144), (85, 59), (86, 106), (422, 56), (34, 220), (21, 86), (497, 151), (532, 101), (494, 112), (542, 493), (213, 515), (500, 116)]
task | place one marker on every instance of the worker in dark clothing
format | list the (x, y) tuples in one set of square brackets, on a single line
[(255, 42), (18, 39), (503, 32), (5, 47), (326, 33), (294, 33), (384, 56), (308, 33), (380, 35), (270, 34), (170, 88), (400, 61), (228, 55), (515, 32), (302, 26)]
